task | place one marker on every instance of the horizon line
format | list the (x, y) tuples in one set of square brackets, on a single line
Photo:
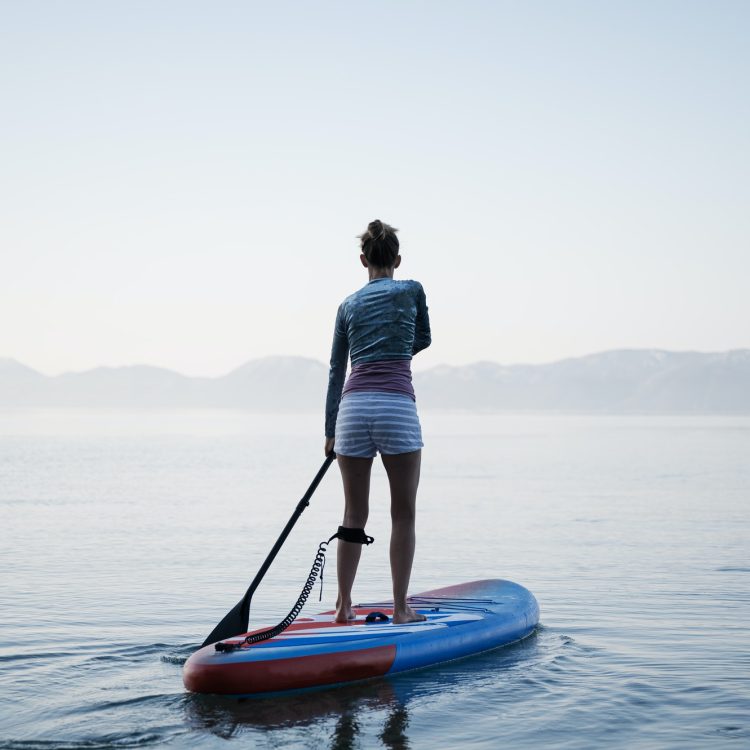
[(474, 363)]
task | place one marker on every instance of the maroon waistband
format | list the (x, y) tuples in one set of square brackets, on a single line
[(392, 375)]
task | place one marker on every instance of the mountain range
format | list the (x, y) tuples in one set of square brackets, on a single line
[(647, 381)]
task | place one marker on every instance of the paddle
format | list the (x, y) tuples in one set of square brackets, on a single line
[(235, 621)]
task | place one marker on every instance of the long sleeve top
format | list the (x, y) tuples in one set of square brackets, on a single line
[(384, 320)]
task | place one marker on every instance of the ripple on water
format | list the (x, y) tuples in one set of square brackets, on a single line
[(105, 742)]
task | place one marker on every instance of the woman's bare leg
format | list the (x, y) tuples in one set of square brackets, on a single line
[(355, 473), (403, 477)]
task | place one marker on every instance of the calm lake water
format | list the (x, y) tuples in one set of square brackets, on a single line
[(126, 536)]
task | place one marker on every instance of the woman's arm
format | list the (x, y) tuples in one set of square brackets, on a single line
[(337, 372), (422, 336)]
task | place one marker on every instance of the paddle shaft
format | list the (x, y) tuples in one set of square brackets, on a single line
[(236, 620), (301, 505)]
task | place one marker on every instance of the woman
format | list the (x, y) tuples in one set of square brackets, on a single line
[(382, 325)]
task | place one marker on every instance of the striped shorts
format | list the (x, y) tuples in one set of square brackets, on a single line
[(370, 421)]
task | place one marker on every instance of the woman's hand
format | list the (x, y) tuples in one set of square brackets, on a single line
[(329, 446)]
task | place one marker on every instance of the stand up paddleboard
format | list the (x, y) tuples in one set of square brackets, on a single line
[(315, 651)]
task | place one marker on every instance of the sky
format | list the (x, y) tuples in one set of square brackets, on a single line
[(183, 183)]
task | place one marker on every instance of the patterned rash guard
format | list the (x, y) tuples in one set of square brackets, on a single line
[(385, 320)]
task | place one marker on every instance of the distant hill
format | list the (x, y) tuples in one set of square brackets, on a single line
[(630, 381), (623, 381), (270, 384)]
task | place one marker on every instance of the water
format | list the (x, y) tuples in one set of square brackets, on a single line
[(127, 535)]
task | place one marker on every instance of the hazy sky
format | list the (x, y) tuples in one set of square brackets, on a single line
[(182, 183)]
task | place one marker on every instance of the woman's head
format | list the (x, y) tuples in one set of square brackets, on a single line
[(380, 245)]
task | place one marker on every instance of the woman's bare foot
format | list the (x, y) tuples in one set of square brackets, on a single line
[(344, 613), (406, 614)]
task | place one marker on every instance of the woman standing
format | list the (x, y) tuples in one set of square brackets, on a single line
[(382, 325)]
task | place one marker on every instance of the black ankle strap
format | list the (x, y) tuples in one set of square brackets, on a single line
[(355, 536)]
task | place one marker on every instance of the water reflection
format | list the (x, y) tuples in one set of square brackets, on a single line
[(379, 707), (345, 707), (393, 735)]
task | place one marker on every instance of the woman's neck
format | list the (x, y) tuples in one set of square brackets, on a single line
[(375, 272)]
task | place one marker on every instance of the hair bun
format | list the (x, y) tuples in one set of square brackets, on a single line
[(376, 229), (380, 244)]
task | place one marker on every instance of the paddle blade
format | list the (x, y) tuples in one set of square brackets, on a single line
[(234, 622)]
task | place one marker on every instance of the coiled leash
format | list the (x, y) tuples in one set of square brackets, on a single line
[(355, 536)]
